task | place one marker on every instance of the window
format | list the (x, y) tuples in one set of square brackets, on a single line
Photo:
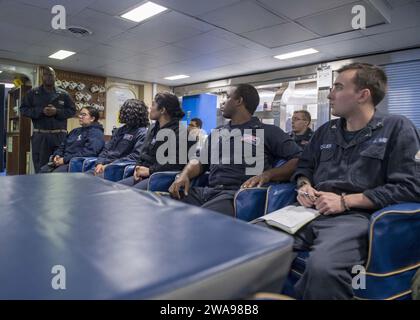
[(403, 90)]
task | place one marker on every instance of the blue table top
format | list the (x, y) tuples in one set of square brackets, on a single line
[(115, 242)]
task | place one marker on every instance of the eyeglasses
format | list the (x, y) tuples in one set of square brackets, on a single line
[(296, 119), (83, 114)]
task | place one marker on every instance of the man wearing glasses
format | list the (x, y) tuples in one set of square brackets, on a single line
[(301, 131)]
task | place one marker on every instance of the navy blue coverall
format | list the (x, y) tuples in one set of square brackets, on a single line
[(125, 145), (49, 131), (225, 179), (147, 157), (80, 142), (382, 161)]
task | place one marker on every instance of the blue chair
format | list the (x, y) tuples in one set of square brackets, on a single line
[(82, 164), (116, 171), (393, 256), (252, 203), (249, 203), (113, 172)]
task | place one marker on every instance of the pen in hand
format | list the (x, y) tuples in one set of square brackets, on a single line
[(307, 195)]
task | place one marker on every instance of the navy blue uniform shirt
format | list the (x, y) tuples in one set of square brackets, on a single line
[(303, 139), (125, 144), (277, 145), (82, 142), (38, 98), (148, 153), (382, 161)]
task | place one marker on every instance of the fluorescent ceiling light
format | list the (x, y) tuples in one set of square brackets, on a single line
[(61, 54), (265, 86), (267, 94), (180, 76), (8, 85), (144, 12), (296, 54)]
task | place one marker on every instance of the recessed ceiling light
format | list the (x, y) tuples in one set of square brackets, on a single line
[(143, 12), (61, 54), (296, 54), (180, 76)]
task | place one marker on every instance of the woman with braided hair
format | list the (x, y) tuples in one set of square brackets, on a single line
[(126, 141)]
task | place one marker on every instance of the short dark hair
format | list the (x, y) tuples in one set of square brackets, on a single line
[(249, 95), (45, 67), (306, 114), (198, 121), (370, 77), (134, 113), (93, 112), (171, 103)]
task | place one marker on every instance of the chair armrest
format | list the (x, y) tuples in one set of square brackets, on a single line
[(394, 238), (89, 163), (279, 196), (76, 164), (249, 203), (115, 171), (161, 181), (129, 171)]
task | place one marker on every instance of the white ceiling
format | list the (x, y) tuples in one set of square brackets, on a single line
[(205, 39)]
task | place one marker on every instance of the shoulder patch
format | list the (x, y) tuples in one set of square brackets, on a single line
[(251, 139), (128, 137), (325, 146)]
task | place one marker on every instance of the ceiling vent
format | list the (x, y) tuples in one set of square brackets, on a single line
[(79, 31)]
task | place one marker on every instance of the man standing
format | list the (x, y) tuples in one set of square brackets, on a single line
[(49, 108), (352, 167), (229, 170), (301, 131)]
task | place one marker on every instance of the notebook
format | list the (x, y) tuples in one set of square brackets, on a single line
[(290, 218)]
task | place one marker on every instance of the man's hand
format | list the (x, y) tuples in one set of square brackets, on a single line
[(50, 110), (307, 196), (328, 203), (181, 182), (140, 173), (58, 161), (100, 168), (258, 181)]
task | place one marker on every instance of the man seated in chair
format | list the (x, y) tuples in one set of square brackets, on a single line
[(352, 167), (229, 167)]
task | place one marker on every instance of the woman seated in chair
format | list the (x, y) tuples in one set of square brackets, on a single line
[(85, 141), (167, 112), (126, 141)]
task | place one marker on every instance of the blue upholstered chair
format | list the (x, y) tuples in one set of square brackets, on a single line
[(113, 172), (117, 170), (249, 203), (81, 164), (393, 257)]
